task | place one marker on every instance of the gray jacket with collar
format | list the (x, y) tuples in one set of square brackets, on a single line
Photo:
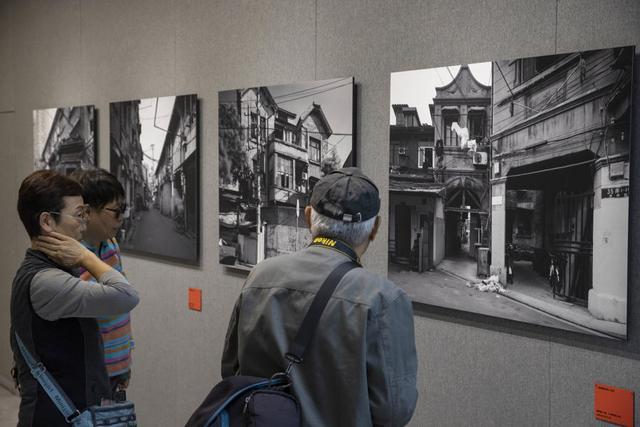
[(360, 368)]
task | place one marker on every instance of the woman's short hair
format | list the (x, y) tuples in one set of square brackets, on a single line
[(43, 191)]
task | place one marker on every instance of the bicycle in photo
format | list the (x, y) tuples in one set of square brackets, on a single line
[(555, 274)]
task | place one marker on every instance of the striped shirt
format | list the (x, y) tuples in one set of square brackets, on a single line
[(115, 330)]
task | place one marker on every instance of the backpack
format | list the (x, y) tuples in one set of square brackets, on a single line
[(242, 400)]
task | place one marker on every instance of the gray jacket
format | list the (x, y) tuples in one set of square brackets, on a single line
[(360, 368)]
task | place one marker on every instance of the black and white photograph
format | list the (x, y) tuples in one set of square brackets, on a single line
[(154, 154), (275, 143), (64, 139), (509, 188)]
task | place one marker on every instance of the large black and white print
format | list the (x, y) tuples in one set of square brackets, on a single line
[(275, 143), (64, 138), (154, 154), (509, 188)]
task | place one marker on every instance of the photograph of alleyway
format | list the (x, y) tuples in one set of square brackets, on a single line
[(509, 188), (154, 154)]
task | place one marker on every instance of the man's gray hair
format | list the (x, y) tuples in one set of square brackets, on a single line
[(352, 233)]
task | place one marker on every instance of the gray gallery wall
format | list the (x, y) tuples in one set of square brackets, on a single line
[(74, 52)]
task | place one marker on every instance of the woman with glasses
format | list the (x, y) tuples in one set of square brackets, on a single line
[(105, 197), (53, 311)]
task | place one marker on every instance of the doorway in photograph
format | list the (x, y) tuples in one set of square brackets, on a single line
[(521, 169)]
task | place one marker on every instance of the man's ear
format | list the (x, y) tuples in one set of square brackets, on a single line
[(307, 215), (47, 222), (376, 227)]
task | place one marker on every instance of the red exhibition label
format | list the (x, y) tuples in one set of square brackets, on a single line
[(195, 299), (614, 405)]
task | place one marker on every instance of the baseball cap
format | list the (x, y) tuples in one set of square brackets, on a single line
[(347, 195)]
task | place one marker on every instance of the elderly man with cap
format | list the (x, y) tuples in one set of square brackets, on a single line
[(360, 368)]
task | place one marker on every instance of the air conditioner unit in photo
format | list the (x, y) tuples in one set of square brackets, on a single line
[(616, 170), (304, 175), (480, 158)]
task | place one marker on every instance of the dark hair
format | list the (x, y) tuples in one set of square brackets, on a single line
[(43, 191), (99, 187)]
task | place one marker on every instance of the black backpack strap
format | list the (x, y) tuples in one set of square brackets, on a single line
[(310, 322)]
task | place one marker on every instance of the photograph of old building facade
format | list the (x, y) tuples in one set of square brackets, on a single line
[(154, 154), (64, 138), (511, 198), (275, 143), (560, 183)]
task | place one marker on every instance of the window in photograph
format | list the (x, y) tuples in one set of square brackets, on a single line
[(451, 138), (476, 120), (314, 150), (278, 132), (528, 68), (285, 172), (301, 176), (263, 129), (425, 157), (254, 125)]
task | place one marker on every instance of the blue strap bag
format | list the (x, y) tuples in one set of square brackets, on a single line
[(119, 414), (242, 400)]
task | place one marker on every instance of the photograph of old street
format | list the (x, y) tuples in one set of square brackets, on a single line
[(509, 188)]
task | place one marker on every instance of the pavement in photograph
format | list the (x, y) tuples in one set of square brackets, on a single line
[(156, 233), (448, 289), (532, 290)]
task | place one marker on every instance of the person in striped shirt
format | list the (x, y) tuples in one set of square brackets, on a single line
[(105, 197)]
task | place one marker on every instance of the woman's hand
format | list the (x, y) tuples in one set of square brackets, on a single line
[(64, 250)]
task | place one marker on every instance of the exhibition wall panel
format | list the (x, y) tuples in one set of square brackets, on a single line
[(76, 52)]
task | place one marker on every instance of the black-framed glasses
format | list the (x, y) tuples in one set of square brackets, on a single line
[(119, 211)]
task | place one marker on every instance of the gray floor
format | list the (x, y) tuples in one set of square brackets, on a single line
[(8, 408)]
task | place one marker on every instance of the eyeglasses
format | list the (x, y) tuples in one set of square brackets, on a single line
[(82, 213), (119, 211)]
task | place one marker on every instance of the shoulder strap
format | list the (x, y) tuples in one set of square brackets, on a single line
[(310, 322), (49, 384)]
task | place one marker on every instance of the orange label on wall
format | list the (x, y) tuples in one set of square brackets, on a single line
[(195, 299), (614, 405)]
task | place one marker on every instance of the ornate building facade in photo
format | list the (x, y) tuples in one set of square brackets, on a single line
[(64, 138), (438, 183)]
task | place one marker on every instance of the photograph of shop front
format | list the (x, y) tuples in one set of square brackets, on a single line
[(511, 197), (154, 154), (64, 138), (275, 143)]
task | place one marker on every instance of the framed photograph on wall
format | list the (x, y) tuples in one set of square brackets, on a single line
[(509, 188), (275, 143), (64, 139), (154, 153)]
